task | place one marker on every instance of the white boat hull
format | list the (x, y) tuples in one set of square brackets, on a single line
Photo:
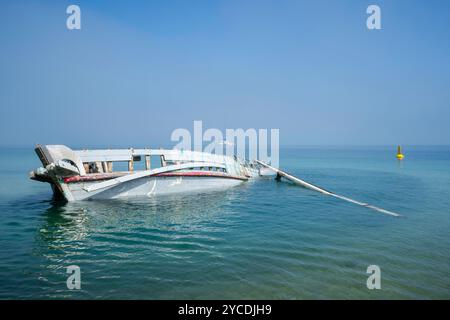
[(149, 187)]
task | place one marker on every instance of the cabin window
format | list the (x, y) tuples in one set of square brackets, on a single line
[(91, 167), (119, 166), (138, 163), (155, 162)]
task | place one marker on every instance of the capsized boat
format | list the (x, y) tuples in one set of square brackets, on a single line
[(89, 174)]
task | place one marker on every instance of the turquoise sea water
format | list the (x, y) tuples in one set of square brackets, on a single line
[(262, 240)]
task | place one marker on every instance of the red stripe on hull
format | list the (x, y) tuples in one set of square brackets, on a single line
[(108, 176), (94, 177)]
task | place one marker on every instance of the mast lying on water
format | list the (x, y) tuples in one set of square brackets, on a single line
[(323, 191)]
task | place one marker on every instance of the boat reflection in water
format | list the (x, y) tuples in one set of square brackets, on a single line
[(111, 238), (75, 220)]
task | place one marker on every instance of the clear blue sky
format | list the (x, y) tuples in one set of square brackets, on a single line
[(139, 69)]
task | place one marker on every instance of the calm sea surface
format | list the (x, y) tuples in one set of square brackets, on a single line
[(262, 240)]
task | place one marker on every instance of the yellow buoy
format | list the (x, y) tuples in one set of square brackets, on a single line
[(400, 156)]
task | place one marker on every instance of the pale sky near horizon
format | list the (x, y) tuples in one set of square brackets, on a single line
[(138, 70)]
